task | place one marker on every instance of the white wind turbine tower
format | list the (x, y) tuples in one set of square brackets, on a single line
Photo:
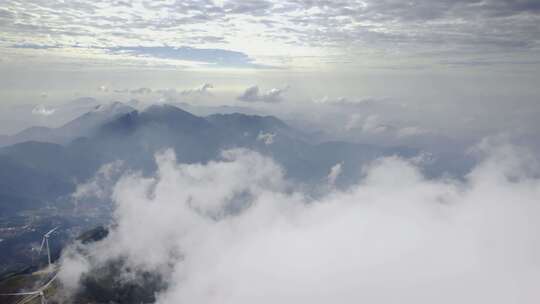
[(44, 241)]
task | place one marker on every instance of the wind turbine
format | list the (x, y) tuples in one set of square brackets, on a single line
[(44, 241), (31, 295)]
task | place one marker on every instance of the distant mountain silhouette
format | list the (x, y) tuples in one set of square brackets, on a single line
[(32, 173), (83, 125)]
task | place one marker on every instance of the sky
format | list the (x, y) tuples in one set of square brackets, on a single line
[(465, 67), (59, 48)]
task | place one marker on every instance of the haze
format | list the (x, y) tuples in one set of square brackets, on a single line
[(261, 151)]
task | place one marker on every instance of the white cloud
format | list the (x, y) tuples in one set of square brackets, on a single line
[(74, 265), (346, 102), (371, 124), (101, 184), (334, 173), (141, 91), (411, 131), (252, 239), (423, 158), (202, 90), (43, 110), (266, 138), (311, 28), (174, 95), (322, 100), (353, 122), (253, 94)]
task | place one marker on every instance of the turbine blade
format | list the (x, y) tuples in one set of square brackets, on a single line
[(48, 283), (51, 231), (20, 293), (42, 244)]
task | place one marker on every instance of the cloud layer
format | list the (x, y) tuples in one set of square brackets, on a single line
[(214, 32), (394, 237)]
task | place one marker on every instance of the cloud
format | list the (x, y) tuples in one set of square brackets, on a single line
[(488, 63), (141, 91), (253, 94), (250, 94), (43, 110), (34, 46), (253, 7), (371, 124), (341, 101), (411, 131), (266, 138), (100, 185), (103, 88), (171, 30), (217, 57), (334, 173), (170, 93), (202, 90), (353, 122), (360, 104), (256, 238), (174, 95)]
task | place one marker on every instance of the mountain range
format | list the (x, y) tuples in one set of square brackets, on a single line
[(45, 164)]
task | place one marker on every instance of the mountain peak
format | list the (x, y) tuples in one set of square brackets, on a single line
[(247, 121), (101, 114), (162, 107), (113, 107), (167, 112)]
